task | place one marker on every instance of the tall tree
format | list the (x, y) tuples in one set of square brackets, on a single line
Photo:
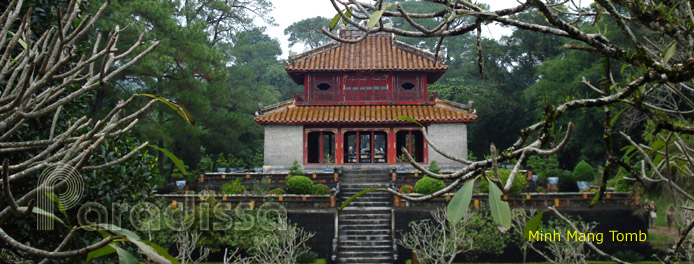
[(307, 32), (195, 66)]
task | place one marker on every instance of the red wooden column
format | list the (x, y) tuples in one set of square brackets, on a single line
[(339, 147), (392, 150)]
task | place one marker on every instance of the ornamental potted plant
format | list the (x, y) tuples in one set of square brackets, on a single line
[(328, 160), (221, 163), (236, 164), (178, 178), (402, 159), (258, 162), (205, 164), (583, 174)]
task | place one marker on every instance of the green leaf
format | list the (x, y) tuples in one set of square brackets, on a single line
[(40, 211), (182, 111), (458, 206), (598, 14), (532, 225), (120, 231), (374, 18), (333, 22), (161, 251), (669, 52), (178, 162), (407, 118), (348, 14), (20, 40), (124, 257), (615, 117), (57, 201), (150, 252), (501, 212), (346, 203), (104, 251)]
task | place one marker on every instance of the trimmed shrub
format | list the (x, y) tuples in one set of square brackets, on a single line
[(407, 189), (567, 183), (518, 186), (433, 168), (299, 185), (428, 185), (321, 189), (278, 191), (583, 172), (234, 187), (295, 169)]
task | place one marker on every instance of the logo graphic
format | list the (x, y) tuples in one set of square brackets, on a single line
[(62, 178)]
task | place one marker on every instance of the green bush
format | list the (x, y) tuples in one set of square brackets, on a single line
[(260, 186), (294, 170), (519, 183), (221, 162), (321, 189), (486, 236), (278, 191), (428, 185), (307, 258), (583, 172), (299, 185), (628, 255), (433, 168), (545, 167), (235, 187), (620, 184), (407, 189), (567, 183), (206, 163)]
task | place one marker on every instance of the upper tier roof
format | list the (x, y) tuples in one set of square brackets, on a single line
[(377, 52)]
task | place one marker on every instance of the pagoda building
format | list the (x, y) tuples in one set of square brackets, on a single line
[(353, 93)]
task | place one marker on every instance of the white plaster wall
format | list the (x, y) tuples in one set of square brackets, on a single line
[(283, 145), (450, 138)]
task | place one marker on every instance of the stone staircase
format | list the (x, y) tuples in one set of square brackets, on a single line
[(364, 227)]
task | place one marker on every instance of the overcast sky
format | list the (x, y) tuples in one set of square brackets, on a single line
[(287, 12)]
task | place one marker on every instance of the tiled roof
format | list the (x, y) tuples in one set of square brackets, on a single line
[(440, 112), (375, 52)]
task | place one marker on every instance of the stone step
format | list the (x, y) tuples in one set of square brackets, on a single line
[(373, 238), (364, 232), (366, 243), (381, 252), (368, 203), (367, 232), (358, 215), (365, 199), (362, 180), (366, 210), (351, 226), (379, 196), (365, 221), (361, 186), (384, 260), (377, 248)]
